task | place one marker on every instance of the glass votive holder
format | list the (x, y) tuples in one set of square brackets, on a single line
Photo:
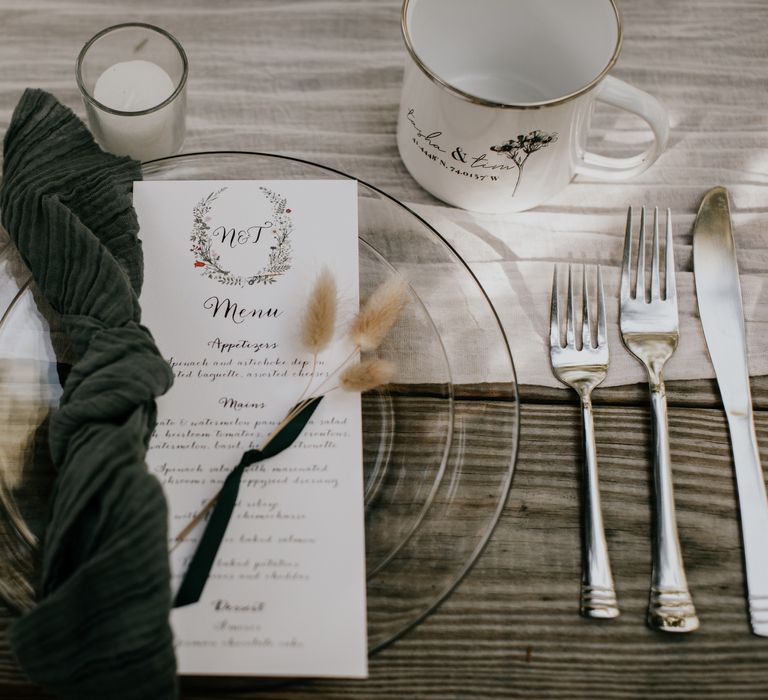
[(133, 79)]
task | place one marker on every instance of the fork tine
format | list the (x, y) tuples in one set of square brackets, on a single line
[(554, 315), (655, 285), (669, 264), (625, 265), (640, 281), (602, 326), (570, 339), (586, 321)]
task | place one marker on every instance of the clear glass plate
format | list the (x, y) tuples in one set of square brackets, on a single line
[(439, 443)]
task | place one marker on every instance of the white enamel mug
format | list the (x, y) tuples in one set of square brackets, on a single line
[(498, 94)]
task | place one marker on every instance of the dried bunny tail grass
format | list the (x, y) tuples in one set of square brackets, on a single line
[(379, 313), (367, 375), (319, 319)]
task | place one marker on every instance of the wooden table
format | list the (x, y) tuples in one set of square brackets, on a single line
[(321, 80)]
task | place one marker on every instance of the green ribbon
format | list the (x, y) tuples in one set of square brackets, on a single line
[(199, 569)]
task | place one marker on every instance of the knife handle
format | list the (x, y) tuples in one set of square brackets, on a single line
[(754, 516), (670, 608)]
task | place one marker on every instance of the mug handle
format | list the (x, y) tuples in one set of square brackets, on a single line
[(619, 94)]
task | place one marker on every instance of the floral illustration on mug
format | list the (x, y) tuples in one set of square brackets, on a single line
[(520, 149)]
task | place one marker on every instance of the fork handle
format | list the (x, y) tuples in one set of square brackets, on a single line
[(598, 594), (671, 607)]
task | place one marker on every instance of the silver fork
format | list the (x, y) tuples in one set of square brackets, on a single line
[(649, 330), (583, 369)]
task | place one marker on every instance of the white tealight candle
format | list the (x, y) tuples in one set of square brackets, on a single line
[(133, 86)]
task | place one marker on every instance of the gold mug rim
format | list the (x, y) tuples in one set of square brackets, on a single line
[(474, 99)]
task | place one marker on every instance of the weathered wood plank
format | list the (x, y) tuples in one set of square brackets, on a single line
[(695, 393), (512, 628), (700, 393)]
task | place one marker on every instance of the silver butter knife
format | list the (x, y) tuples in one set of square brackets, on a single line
[(722, 317)]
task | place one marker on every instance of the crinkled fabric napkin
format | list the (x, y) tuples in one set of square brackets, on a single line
[(100, 628)]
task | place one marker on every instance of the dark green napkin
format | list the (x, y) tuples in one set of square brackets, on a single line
[(100, 628)]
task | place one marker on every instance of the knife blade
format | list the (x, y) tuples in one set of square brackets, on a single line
[(722, 316)]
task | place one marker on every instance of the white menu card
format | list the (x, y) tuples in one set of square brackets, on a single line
[(228, 267)]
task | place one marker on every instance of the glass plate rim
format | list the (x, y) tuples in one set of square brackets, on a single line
[(440, 598)]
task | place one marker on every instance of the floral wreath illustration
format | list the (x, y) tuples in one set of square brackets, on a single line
[(519, 150), (207, 259)]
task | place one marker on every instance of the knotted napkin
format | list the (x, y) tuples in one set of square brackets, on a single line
[(100, 628)]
